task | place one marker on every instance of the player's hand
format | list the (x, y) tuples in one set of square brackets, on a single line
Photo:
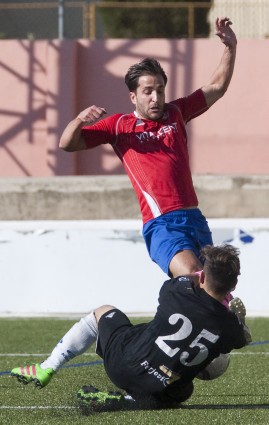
[(225, 32), (92, 114)]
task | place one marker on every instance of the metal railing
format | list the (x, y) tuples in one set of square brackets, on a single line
[(94, 19), (89, 15), (189, 6)]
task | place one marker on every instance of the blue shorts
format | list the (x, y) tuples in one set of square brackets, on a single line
[(174, 232)]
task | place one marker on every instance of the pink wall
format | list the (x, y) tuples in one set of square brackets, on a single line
[(44, 84)]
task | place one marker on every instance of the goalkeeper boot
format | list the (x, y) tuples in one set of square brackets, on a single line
[(34, 373), (91, 398)]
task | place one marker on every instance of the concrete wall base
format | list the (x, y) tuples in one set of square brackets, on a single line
[(112, 197)]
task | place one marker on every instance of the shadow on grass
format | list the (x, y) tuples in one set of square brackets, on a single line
[(224, 406), (89, 410)]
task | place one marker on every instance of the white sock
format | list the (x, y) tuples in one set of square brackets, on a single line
[(76, 341)]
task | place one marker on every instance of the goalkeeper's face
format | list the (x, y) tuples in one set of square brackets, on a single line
[(149, 97)]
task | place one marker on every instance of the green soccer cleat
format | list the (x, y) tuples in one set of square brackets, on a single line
[(90, 398), (34, 373)]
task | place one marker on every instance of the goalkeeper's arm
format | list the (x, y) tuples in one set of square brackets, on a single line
[(237, 306)]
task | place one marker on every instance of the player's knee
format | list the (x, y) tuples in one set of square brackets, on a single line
[(102, 310), (184, 263)]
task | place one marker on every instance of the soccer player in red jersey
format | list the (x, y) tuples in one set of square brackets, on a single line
[(151, 142)]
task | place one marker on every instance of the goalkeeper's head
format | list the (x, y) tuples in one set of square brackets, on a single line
[(221, 268)]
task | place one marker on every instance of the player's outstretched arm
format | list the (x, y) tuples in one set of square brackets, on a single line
[(71, 139), (220, 80)]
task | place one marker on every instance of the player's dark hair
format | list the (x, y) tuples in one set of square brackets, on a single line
[(147, 66), (221, 267)]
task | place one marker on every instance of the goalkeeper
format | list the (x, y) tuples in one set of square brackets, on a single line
[(156, 362)]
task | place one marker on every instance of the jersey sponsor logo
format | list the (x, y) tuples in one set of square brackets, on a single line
[(173, 376), (147, 136), (168, 376)]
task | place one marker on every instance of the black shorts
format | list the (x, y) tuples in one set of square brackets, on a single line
[(110, 325), (114, 327)]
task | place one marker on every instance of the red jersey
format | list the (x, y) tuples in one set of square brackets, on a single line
[(154, 154)]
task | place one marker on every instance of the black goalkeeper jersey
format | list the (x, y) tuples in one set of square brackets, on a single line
[(188, 331)]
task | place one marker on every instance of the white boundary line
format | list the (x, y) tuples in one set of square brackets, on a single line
[(258, 353), (38, 355), (234, 353), (36, 407), (69, 316)]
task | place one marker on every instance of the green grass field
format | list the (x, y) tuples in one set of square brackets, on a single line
[(240, 396)]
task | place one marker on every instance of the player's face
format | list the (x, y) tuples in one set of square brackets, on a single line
[(149, 97)]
